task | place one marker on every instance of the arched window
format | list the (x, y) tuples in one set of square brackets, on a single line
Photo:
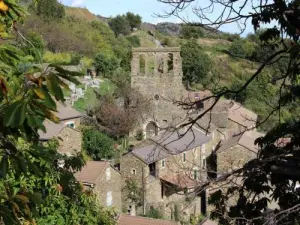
[(151, 130), (142, 64), (170, 62)]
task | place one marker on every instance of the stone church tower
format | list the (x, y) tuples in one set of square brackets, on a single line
[(157, 74)]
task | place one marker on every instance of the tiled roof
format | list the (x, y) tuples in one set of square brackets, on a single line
[(242, 116), (66, 112), (91, 171), (245, 139), (180, 180), (171, 143), (52, 130), (136, 220)]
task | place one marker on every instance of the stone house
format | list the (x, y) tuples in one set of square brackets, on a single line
[(240, 119), (105, 182), (234, 152), (167, 168), (66, 131), (136, 220)]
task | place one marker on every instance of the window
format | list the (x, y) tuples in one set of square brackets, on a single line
[(195, 175), (108, 174), (70, 124), (163, 163), (184, 157), (133, 171), (203, 163), (109, 198)]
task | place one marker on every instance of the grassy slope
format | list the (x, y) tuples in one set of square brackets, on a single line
[(81, 13)]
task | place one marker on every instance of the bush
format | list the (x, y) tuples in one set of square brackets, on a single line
[(97, 145), (196, 64), (134, 40), (105, 64), (154, 213), (59, 58), (242, 49), (188, 32), (139, 135)]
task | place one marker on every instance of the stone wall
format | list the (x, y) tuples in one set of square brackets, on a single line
[(160, 84), (70, 141), (233, 158), (104, 185)]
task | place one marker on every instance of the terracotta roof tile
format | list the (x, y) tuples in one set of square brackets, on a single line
[(136, 220), (91, 171)]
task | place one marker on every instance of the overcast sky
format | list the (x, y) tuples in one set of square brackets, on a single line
[(145, 8)]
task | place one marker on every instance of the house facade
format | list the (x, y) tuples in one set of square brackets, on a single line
[(105, 182), (167, 169), (66, 131)]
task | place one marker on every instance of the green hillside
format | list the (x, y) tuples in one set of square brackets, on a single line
[(79, 36)]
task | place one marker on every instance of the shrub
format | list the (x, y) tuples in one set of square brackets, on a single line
[(59, 58), (139, 135), (97, 145), (134, 40), (188, 32), (154, 213), (241, 48)]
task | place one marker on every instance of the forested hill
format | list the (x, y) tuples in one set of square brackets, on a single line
[(211, 59)]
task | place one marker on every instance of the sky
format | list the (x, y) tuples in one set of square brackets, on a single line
[(146, 8)]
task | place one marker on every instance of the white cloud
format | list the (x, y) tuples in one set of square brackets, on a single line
[(77, 2)]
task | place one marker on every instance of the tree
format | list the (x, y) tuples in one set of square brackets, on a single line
[(120, 25), (189, 32), (50, 10), (34, 186), (274, 175), (98, 145), (134, 20), (196, 63), (36, 46), (105, 64), (241, 48)]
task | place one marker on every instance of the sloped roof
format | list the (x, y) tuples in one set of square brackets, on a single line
[(245, 139), (180, 180), (171, 143), (91, 171), (65, 112), (136, 220), (52, 130), (242, 116)]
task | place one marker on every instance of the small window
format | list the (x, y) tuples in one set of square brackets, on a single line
[(156, 97), (70, 124), (203, 163), (108, 174), (109, 198), (163, 163), (195, 175), (133, 171), (184, 157)]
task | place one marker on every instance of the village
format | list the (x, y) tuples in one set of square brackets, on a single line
[(162, 173)]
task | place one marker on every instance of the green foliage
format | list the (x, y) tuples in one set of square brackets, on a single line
[(134, 191), (241, 48), (120, 25), (35, 47), (98, 145), (134, 40), (134, 20), (139, 135), (194, 220), (196, 63), (49, 9), (189, 31), (154, 213), (105, 64)]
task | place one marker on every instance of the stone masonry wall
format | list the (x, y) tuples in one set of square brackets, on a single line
[(160, 87), (69, 141), (105, 185), (233, 158)]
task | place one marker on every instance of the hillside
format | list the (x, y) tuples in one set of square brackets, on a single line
[(81, 13)]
